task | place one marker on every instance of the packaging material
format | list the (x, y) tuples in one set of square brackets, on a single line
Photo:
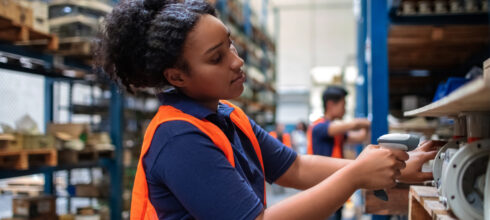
[(100, 141), (69, 136), (26, 125), (449, 86), (87, 213), (41, 207)]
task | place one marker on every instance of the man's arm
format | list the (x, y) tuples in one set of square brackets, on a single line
[(358, 136), (340, 127)]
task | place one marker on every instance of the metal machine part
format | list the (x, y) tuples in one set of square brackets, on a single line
[(478, 125), (459, 137), (463, 180), (439, 161), (446, 158), (486, 196)]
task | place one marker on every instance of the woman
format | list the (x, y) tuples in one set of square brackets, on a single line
[(204, 158)]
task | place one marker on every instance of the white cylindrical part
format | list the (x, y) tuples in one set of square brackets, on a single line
[(459, 126)]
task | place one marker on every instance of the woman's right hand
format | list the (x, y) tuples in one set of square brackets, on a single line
[(378, 168)]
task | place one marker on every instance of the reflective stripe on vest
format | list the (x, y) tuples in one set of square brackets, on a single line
[(141, 207), (286, 138), (338, 141)]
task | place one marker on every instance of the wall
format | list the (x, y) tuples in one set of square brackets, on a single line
[(310, 33), (21, 94)]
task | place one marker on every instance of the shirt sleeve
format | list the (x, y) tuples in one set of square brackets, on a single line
[(201, 178), (320, 131), (276, 156)]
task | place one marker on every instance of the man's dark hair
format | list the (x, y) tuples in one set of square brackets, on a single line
[(142, 38), (333, 93)]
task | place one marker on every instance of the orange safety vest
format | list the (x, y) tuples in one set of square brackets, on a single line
[(141, 207), (337, 145), (286, 138)]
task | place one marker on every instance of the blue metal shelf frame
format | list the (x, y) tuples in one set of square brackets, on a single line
[(361, 85), (377, 66), (116, 111), (104, 162)]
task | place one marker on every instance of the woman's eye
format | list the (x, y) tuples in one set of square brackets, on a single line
[(217, 59)]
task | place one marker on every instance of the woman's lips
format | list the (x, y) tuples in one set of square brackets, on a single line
[(240, 78)]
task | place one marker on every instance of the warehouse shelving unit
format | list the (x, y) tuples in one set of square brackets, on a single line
[(402, 51), (253, 43)]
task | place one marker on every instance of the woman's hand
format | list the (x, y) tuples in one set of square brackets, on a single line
[(378, 168), (424, 152)]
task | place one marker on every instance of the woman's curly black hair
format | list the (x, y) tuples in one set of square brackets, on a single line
[(142, 38)]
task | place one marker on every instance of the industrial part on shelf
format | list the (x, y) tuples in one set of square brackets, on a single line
[(460, 167)]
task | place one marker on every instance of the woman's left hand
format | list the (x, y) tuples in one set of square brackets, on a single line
[(423, 153)]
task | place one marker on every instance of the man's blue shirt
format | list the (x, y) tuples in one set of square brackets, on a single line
[(322, 142), (190, 178)]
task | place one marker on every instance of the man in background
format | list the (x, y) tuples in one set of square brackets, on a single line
[(327, 135)]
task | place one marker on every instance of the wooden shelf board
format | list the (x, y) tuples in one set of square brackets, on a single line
[(472, 97), (424, 204)]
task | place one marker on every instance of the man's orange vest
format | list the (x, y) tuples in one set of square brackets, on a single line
[(141, 207), (286, 138), (337, 145)]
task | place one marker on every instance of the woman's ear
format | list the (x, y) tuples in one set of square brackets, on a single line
[(175, 77)]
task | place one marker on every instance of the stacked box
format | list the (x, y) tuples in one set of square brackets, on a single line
[(35, 208), (18, 14)]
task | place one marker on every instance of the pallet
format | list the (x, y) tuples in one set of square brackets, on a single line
[(24, 35), (22, 190), (74, 157), (424, 204), (76, 46), (25, 159)]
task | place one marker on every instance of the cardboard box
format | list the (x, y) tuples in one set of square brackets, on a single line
[(68, 131), (10, 9), (12, 142), (84, 190), (7, 141), (41, 207), (40, 14), (36, 141), (64, 133)]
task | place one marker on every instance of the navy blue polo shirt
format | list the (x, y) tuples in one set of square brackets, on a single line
[(322, 142), (190, 178)]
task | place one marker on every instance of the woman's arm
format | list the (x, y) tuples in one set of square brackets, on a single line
[(373, 169), (309, 170)]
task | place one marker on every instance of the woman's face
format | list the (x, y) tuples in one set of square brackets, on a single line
[(214, 67)]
